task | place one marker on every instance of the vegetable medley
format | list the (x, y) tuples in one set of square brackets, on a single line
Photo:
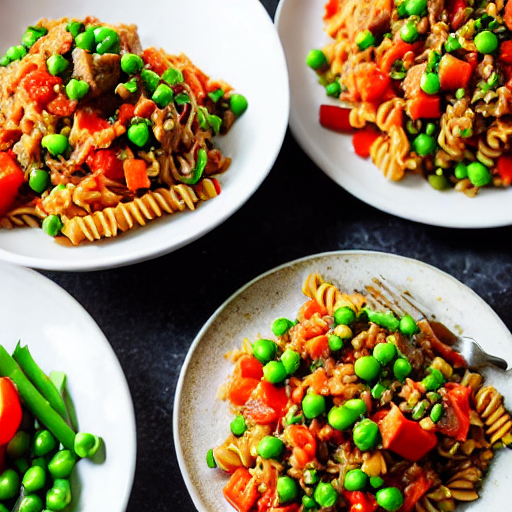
[(39, 443), (98, 136), (430, 87), (355, 409)]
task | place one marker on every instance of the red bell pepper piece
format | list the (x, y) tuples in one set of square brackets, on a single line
[(267, 404), (335, 118), (457, 16), (454, 73), (504, 169), (361, 501), (363, 139), (251, 368), (106, 160), (507, 17), (87, 119), (506, 52), (425, 106), (242, 490), (10, 410), (246, 377), (126, 112), (40, 86), (331, 8), (371, 82), (11, 179), (414, 491), (405, 437), (455, 423)]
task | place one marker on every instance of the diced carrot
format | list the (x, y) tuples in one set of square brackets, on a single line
[(335, 118), (318, 347), (156, 59), (240, 390), (126, 112), (297, 395), (506, 52), (397, 51), (405, 437), (425, 106), (135, 174), (504, 169), (331, 8), (88, 119), (371, 82), (507, 17), (363, 139), (316, 380), (242, 490), (251, 368), (454, 73), (310, 308), (456, 422)]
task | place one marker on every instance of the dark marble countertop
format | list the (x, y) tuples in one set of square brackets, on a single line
[(151, 312)]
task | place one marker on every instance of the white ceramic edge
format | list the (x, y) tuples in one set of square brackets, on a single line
[(181, 380), (313, 152), (117, 261), (132, 431)]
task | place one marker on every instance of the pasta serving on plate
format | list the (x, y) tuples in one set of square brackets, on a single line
[(98, 136), (352, 408), (429, 86)]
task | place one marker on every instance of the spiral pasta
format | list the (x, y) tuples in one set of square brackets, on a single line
[(489, 404), (389, 153), (19, 217)]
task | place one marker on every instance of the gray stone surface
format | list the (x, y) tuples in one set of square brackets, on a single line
[(152, 311)]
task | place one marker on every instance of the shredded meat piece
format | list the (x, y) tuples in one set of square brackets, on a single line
[(101, 72)]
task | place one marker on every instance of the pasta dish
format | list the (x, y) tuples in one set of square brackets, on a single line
[(98, 135), (351, 407), (429, 86)]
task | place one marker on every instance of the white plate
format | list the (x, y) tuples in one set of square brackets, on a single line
[(201, 421), (233, 40), (62, 336), (300, 27)]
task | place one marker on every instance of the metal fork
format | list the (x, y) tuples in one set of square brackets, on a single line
[(387, 295)]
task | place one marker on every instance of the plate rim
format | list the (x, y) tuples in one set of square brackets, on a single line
[(197, 340), (306, 143), (37, 278), (146, 253)]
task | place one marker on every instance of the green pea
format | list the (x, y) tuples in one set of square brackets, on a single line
[(31, 35), (150, 79), (210, 459), (460, 93), (85, 41), (390, 499), (376, 482), (424, 144), (452, 44), (290, 360), (325, 494), (62, 464), (344, 316), (416, 7), (333, 89), (270, 447), (9, 484), (163, 95), (44, 443), (365, 39), (56, 64), (274, 372), (356, 405), (131, 86), (264, 350), (308, 501), (436, 412), (5, 61), (430, 83), (409, 33), (77, 89), (408, 326), (344, 416), (486, 42), (31, 503), (34, 479), (182, 98), (39, 180), (313, 405), (335, 343), (430, 129), (310, 476), (433, 381), (131, 63), (214, 95), (366, 435), (86, 445), (18, 445), (367, 368), (378, 390), (106, 39), (384, 353), (74, 27), (238, 425), (287, 489), (437, 182), (16, 52), (52, 225), (281, 326), (401, 369), (316, 59), (355, 480), (138, 133), (478, 174), (238, 104), (59, 496), (55, 143), (173, 76)]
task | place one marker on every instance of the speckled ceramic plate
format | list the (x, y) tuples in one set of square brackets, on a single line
[(300, 27), (201, 420), (62, 336)]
